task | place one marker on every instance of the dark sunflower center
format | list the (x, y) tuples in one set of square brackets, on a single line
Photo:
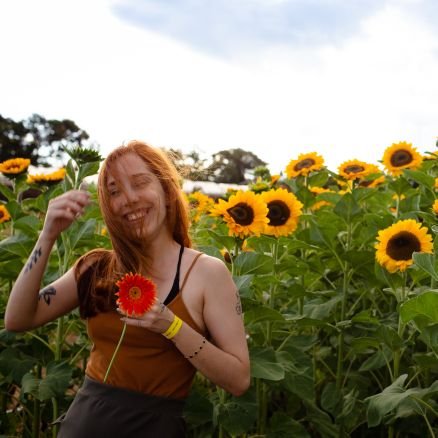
[(278, 213), (304, 164), (134, 293), (242, 213), (1, 214), (401, 158), (402, 245), (354, 168)]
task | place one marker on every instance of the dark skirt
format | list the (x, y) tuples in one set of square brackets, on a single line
[(101, 410)]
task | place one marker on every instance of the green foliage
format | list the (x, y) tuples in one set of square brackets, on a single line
[(339, 346)]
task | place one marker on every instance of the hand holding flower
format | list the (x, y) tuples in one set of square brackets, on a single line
[(136, 296)]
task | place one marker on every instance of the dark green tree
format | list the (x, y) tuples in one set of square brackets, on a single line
[(232, 166), (38, 139)]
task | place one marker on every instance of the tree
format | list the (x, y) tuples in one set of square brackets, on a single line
[(38, 139), (231, 166), (191, 166)]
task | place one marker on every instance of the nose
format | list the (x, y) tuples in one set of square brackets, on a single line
[(131, 196)]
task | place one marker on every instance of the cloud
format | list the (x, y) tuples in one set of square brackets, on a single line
[(225, 27)]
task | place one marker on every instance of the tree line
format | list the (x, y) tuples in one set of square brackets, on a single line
[(43, 141)]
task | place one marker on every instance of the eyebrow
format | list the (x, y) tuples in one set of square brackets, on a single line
[(135, 176)]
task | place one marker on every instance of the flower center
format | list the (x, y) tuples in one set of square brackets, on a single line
[(354, 168), (278, 213), (401, 158), (1, 214), (242, 213), (304, 164), (134, 293), (402, 245)]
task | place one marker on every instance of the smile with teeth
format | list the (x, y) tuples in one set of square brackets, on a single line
[(136, 215)]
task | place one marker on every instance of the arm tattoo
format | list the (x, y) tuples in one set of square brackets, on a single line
[(33, 259), (238, 304), (46, 294)]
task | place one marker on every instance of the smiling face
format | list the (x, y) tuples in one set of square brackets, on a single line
[(136, 197)]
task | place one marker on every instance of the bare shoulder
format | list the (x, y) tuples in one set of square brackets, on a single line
[(210, 266)]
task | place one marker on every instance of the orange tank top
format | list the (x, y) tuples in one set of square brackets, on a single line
[(146, 362)]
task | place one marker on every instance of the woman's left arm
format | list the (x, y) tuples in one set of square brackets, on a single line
[(224, 359)]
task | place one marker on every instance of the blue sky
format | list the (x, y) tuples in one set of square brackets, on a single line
[(344, 78)]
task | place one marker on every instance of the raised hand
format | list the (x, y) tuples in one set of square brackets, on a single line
[(63, 211)]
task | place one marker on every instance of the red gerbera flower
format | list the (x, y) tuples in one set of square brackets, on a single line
[(136, 294)]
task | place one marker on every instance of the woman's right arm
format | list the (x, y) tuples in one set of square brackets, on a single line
[(29, 307)]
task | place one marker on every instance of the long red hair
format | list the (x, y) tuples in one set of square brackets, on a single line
[(132, 255)]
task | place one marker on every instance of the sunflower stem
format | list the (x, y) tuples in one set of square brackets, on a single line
[(115, 353), (263, 394)]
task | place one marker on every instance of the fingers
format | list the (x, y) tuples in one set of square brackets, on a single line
[(71, 204), (157, 319)]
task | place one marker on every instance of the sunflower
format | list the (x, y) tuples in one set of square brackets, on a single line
[(4, 214), (401, 156), (14, 166), (136, 294), (284, 209), (435, 207), (48, 178), (274, 179), (371, 183), (355, 169), (244, 213), (316, 191), (305, 164), (397, 243), (199, 204), (436, 184), (260, 185)]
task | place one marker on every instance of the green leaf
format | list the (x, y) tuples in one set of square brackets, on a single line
[(389, 337), (6, 192), (81, 230), (56, 380), (16, 246), (347, 208), (282, 425), (198, 409), (264, 364), (420, 177), (30, 225), (376, 361), (54, 384), (426, 262), (394, 397), (88, 169), (224, 241), (238, 415), (15, 364), (253, 263), (262, 313), (380, 404), (422, 309)]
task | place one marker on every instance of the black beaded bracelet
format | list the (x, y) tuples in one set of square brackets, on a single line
[(198, 350)]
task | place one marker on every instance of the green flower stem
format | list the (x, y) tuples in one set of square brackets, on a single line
[(345, 283), (263, 393), (115, 353), (36, 415)]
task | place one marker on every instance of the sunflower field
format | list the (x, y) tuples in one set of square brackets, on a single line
[(337, 275)]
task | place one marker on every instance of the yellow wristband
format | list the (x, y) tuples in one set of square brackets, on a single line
[(174, 328)]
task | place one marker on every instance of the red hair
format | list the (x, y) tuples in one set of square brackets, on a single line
[(132, 255)]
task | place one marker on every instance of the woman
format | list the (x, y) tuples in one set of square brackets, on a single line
[(146, 218)]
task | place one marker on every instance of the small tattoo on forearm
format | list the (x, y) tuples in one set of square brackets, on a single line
[(33, 259), (46, 294), (238, 304)]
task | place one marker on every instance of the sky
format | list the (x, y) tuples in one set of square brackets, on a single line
[(343, 78)]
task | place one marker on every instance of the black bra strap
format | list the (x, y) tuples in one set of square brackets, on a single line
[(175, 286)]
